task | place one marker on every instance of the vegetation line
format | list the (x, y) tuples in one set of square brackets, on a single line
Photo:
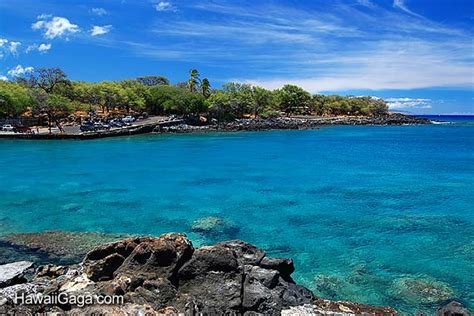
[(48, 95)]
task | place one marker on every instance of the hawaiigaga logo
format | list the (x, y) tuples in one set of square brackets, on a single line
[(67, 299)]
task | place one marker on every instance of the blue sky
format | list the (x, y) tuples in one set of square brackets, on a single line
[(417, 54)]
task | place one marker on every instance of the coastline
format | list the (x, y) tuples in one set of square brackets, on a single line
[(280, 123), (166, 275)]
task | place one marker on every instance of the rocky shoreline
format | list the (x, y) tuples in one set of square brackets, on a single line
[(250, 124), (168, 276), (294, 123)]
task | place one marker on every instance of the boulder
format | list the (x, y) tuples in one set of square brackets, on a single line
[(246, 253), (146, 257), (283, 265), (50, 271), (165, 275), (211, 281), (336, 308), (209, 259), (13, 273), (453, 309), (266, 291)]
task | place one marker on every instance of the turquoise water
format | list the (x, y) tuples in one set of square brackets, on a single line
[(372, 214)]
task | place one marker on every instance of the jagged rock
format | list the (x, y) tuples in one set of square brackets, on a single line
[(13, 273), (166, 275), (301, 122), (144, 257), (209, 259), (453, 309), (266, 291), (246, 253), (103, 269), (214, 225), (120, 310), (50, 271), (212, 280), (268, 278), (283, 265), (255, 295), (350, 308), (9, 293)]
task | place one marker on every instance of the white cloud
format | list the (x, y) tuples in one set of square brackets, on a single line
[(19, 70), (404, 103), (43, 48), (400, 4), (100, 30), (99, 11), (13, 48), (54, 27), (164, 6), (342, 47), (3, 41), (31, 48), (3, 78), (366, 3), (391, 64)]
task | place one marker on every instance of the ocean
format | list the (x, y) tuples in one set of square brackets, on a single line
[(382, 215)]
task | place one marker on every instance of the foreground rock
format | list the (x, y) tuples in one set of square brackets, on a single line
[(453, 309), (13, 273), (166, 275)]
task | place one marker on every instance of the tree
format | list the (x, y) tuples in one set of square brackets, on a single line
[(54, 106), (240, 97), (47, 79), (292, 99), (153, 81), (174, 100), (206, 88), (194, 81), (378, 107), (113, 96), (14, 99), (220, 106), (262, 99)]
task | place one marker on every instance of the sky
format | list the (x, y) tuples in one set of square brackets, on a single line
[(416, 54)]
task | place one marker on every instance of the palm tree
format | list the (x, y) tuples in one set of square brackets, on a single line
[(194, 81), (205, 88)]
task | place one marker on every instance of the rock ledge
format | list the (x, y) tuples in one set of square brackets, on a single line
[(166, 275)]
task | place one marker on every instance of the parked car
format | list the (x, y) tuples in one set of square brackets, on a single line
[(8, 128), (100, 125), (87, 127), (128, 119), (116, 123)]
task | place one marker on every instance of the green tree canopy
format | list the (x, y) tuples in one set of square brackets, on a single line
[(153, 81), (293, 99), (14, 99)]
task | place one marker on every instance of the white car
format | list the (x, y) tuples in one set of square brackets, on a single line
[(128, 119), (7, 128)]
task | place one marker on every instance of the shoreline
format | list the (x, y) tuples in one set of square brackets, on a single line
[(228, 277), (281, 123)]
